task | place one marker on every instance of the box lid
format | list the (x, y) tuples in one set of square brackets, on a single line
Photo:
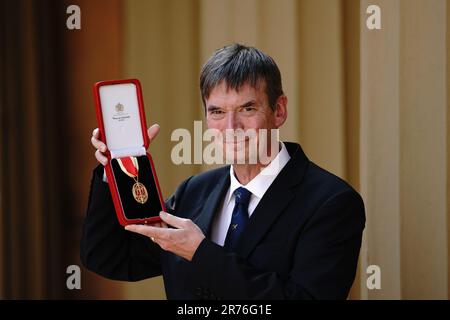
[(121, 117)]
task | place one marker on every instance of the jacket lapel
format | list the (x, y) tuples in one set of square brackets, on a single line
[(212, 203), (275, 200)]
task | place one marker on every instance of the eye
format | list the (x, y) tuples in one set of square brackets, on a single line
[(248, 110), (216, 113)]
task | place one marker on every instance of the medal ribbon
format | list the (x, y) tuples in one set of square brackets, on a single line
[(129, 166)]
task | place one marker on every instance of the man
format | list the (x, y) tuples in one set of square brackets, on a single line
[(283, 230)]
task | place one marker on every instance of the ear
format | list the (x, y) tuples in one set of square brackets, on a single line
[(281, 111)]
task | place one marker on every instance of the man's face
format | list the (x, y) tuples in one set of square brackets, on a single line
[(247, 111)]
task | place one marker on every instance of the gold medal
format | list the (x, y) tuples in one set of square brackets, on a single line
[(130, 167), (140, 193)]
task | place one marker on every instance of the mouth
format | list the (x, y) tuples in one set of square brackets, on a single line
[(233, 141)]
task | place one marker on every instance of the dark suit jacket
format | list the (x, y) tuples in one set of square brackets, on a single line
[(302, 240)]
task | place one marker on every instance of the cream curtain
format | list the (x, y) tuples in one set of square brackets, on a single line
[(368, 105), (404, 149)]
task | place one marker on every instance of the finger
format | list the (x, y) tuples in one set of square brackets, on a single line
[(162, 224), (149, 231), (101, 158), (96, 133), (153, 131), (99, 145), (173, 221), (156, 224)]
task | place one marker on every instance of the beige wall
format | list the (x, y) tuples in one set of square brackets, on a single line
[(370, 106)]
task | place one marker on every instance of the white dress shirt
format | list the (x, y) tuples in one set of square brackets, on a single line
[(257, 186)]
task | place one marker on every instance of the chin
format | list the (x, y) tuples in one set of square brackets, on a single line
[(240, 155)]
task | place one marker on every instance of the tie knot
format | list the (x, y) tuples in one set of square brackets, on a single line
[(242, 196)]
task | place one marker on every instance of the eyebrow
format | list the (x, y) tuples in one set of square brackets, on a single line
[(213, 108), (247, 104)]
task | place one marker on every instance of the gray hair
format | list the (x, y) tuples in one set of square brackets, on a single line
[(237, 65)]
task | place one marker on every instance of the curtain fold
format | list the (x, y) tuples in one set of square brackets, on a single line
[(32, 137)]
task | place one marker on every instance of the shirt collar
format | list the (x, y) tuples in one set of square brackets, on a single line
[(259, 184)]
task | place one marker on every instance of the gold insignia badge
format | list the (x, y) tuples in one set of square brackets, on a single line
[(140, 193), (119, 107)]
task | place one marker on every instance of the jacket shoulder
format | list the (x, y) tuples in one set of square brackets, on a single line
[(330, 185)]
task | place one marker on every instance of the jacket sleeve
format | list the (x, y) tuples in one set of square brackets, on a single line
[(323, 266), (106, 247)]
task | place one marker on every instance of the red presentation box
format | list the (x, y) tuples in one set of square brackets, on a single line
[(130, 170)]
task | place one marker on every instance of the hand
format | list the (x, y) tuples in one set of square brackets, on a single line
[(182, 241), (160, 224), (101, 147)]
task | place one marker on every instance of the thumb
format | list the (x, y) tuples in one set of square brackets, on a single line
[(153, 131)]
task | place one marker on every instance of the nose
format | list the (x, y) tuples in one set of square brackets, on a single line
[(232, 120)]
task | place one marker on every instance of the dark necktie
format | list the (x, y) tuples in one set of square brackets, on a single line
[(239, 218)]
